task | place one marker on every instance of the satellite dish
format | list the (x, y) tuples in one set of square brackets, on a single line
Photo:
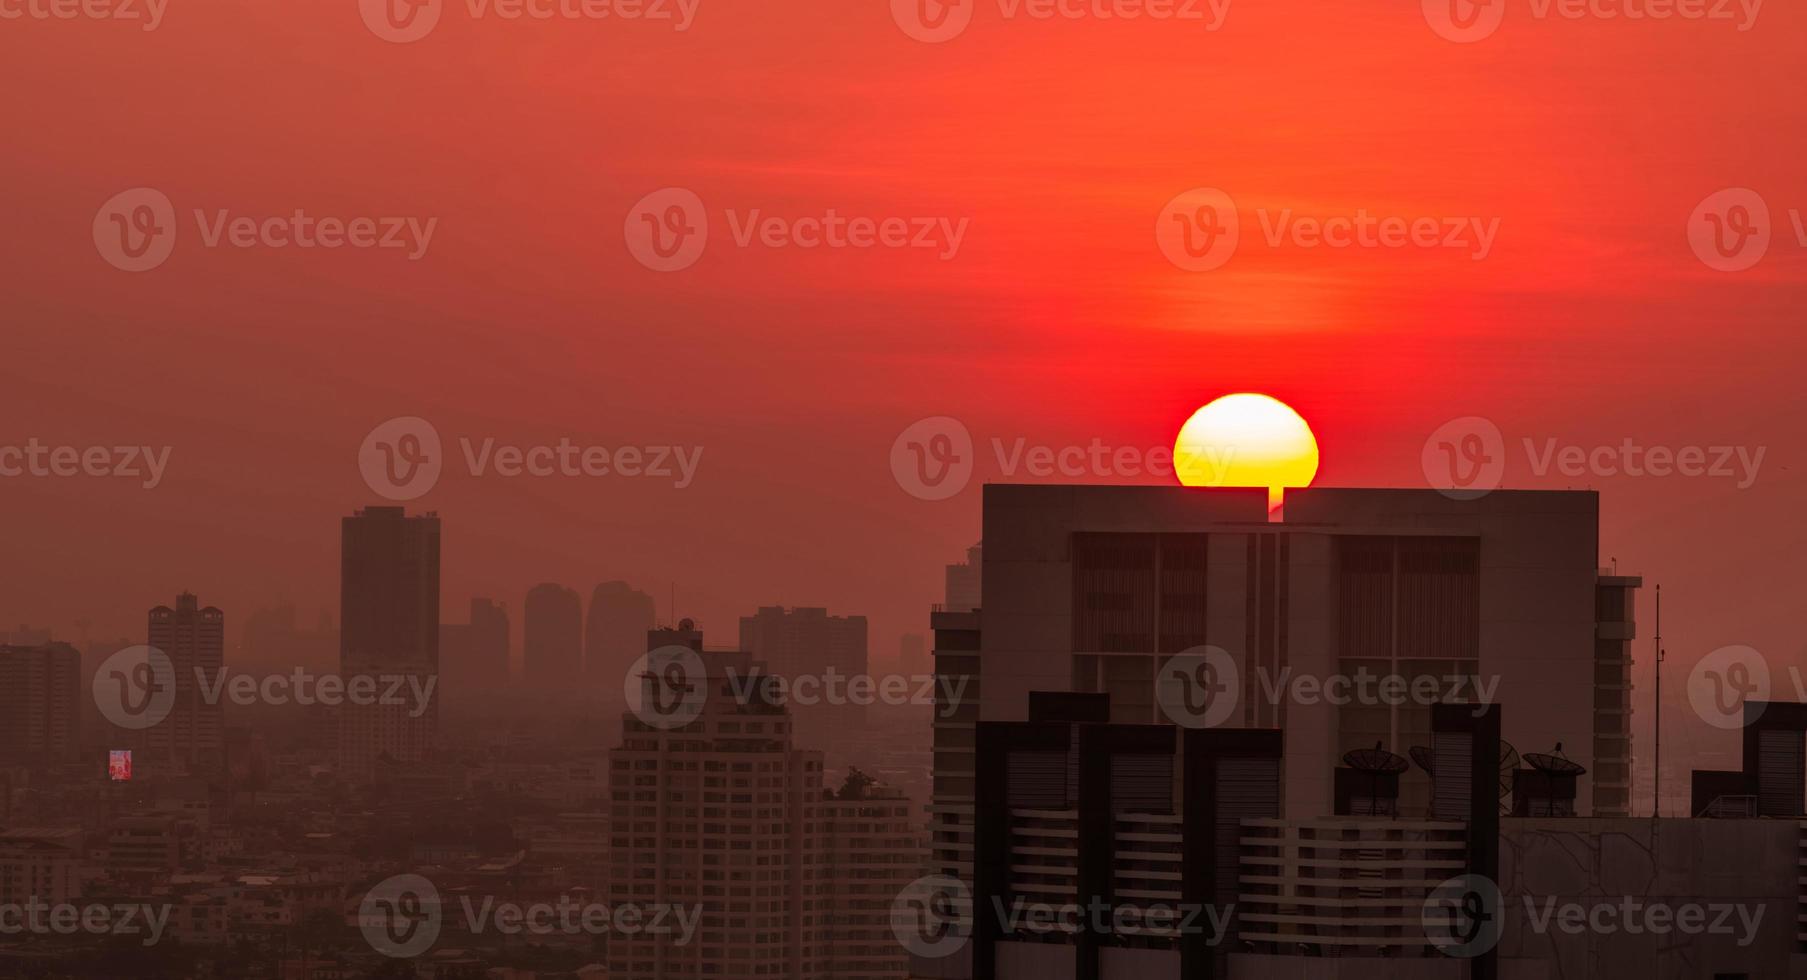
[(1508, 763), (1421, 754), (1375, 759), (1555, 765), (1382, 769)]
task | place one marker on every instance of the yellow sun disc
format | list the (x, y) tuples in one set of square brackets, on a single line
[(1246, 440)]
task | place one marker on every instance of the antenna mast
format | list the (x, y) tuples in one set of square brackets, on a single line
[(1656, 793)]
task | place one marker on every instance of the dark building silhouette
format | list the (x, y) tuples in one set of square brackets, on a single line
[(473, 656), (40, 703), (389, 615), (965, 581), (193, 637), (615, 633), (552, 638), (809, 643)]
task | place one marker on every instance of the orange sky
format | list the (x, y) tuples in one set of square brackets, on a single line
[(1590, 141)]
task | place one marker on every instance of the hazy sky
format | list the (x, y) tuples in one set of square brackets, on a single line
[(1584, 144)]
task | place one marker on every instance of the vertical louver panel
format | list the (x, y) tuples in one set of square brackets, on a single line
[(1142, 783), (1246, 789), (1780, 773), (1452, 789), (1038, 780)]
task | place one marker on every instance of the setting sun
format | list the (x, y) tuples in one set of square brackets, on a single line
[(1246, 440)]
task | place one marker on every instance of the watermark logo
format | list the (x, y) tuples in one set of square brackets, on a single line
[(407, 21), (933, 21), (1468, 21), (147, 464), (401, 459), (833, 687), (668, 229), (1199, 229), (136, 687), (926, 917), (401, 21), (1464, 21), (1724, 681), (1199, 687), (1461, 916), (1465, 458), (135, 230), (1730, 231), (37, 917), (148, 12), (933, 458), (667, 688), (401, 916)]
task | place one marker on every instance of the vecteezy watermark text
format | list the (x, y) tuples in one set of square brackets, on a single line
[(402, 917), (136, 688), (406, 21), (146, 464), (1467, 21), (403, 458), (1463, 916), (1201, 229), (934, 459), (667, 230), (136, 230), (1466, 458), (1201, 687), (148, 12), (935, 21), (37, 917)]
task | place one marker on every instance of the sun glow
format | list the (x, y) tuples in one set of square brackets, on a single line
[(1246, 440)]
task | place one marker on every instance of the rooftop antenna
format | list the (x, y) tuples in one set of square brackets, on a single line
[(1656, 782)]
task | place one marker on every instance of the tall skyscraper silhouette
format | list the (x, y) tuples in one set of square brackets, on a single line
[(194, 640), (723, 812), (963, 581), (808, 642), (615, 633), (389, 615), (473, 656), (552, 638), (40, 703)]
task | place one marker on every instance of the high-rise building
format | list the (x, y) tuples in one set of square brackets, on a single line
[(552, 638), (913, 655), (40, 865), (473, 656), (868, 851), (1096, 588), (808, 642), (615, 632), (964, 581), (190, 738), (40, 703), (389, 616), (722, 812)]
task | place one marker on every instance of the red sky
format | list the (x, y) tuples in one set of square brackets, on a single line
[(1059, 142)]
